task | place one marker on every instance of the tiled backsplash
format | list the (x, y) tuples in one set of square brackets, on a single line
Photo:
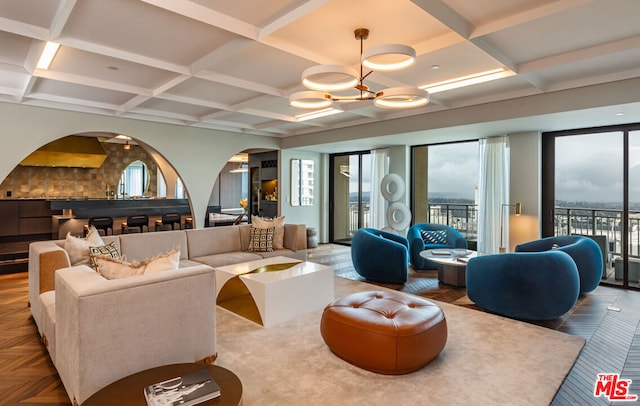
[(50, 182)]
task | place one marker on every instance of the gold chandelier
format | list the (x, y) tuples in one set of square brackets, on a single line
[(323, 79)]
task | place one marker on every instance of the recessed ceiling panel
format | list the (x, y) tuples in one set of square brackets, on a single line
[(175, 107), (480, 12), (594, 23), (91, 65), (14, 48), (34, 12), (246, 10), (211, 91), (140, 28), (264, 64), (329, 31)]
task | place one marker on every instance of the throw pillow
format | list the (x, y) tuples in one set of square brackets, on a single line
[(112, 268), (434, 237), (78, 248), (261, 239), (277, 223), (109, 250)]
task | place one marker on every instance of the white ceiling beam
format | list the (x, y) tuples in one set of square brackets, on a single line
[(440, 42), (85, 81), (220, 54), (193, 101), (241, 83), (269, 114), (28, 87), (62, 16), (72, 101), (208, 16), (24, 29), (254, 101), (443, 13), (124, 55), (171, 83), (527, 16), (164, 113), (494, 53), (623, 45), (289, 16), (132, 103)]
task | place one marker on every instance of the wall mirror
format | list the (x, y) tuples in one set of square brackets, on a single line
[(302, 182)]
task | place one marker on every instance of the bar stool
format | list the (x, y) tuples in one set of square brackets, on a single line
[(138, 221), (168, 219), (102, 224)]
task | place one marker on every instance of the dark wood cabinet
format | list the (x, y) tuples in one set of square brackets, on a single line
[(263, 194)]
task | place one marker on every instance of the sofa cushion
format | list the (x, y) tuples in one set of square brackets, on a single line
[(228, 258), (277, 223), (109, 250), (261, 239), (140, 246), (434, 236), (112, 268), (213, 240), (78, 248)]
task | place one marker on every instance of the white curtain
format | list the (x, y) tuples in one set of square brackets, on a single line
[(377, 204), (493, 194)]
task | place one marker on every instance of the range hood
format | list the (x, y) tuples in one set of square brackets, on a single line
[(72, 152)]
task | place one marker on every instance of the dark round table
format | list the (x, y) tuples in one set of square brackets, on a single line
[(129, 390)]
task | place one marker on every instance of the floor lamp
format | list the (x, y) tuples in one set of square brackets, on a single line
[(518, 210)]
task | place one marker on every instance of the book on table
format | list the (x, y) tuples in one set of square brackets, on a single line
[(185, 390)]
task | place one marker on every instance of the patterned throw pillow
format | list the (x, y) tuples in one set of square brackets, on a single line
[(261, 239), (109, 250), (277, 223), (434, 237)]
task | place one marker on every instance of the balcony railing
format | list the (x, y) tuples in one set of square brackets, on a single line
[(462, 217)]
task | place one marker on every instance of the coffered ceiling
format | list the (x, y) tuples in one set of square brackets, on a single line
[(231, 65)]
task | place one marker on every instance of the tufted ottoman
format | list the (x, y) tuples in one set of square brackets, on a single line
[(385, 332)]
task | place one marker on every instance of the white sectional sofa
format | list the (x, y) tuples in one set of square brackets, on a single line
[(98, 331)]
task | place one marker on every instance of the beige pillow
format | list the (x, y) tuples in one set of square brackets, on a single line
[(78, 248), (261, 239), (112, 268), (278, 223)]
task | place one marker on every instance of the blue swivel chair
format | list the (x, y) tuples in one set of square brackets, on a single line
[(380, 256), (584, 251), (524, 285), (427, 236)]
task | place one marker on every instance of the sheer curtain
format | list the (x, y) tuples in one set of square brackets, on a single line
[(378, 206), (493, 192)]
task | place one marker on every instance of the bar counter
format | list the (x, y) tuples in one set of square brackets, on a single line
[(120, 208)]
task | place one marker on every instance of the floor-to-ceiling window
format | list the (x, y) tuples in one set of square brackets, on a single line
[(349, 191), (591, 186), (445, 186)]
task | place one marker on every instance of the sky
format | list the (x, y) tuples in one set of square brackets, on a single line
[(453, 169)]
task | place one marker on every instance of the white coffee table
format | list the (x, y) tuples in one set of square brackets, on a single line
[(452, 264), (280, 295)]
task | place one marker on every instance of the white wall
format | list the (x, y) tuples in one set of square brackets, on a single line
[(309, 215), (525, 186), (197, 154)]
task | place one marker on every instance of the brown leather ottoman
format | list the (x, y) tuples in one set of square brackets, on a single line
[(385, 332)]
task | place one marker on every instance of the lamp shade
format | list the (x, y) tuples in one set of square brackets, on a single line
[(330, 78), (401, 97), (388, 57), (310, 100)]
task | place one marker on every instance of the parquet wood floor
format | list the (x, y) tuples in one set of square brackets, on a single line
[(28, 378)]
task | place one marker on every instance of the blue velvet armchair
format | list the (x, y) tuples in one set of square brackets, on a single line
[(452, 239), (380, 256), (584, 251), (524, 285)]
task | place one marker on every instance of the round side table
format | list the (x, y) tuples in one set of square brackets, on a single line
[(129, 390)]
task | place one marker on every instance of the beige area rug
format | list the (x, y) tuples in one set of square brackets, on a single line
[(488, 360)]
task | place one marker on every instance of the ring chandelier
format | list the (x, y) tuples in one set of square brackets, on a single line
[(322, 80)]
